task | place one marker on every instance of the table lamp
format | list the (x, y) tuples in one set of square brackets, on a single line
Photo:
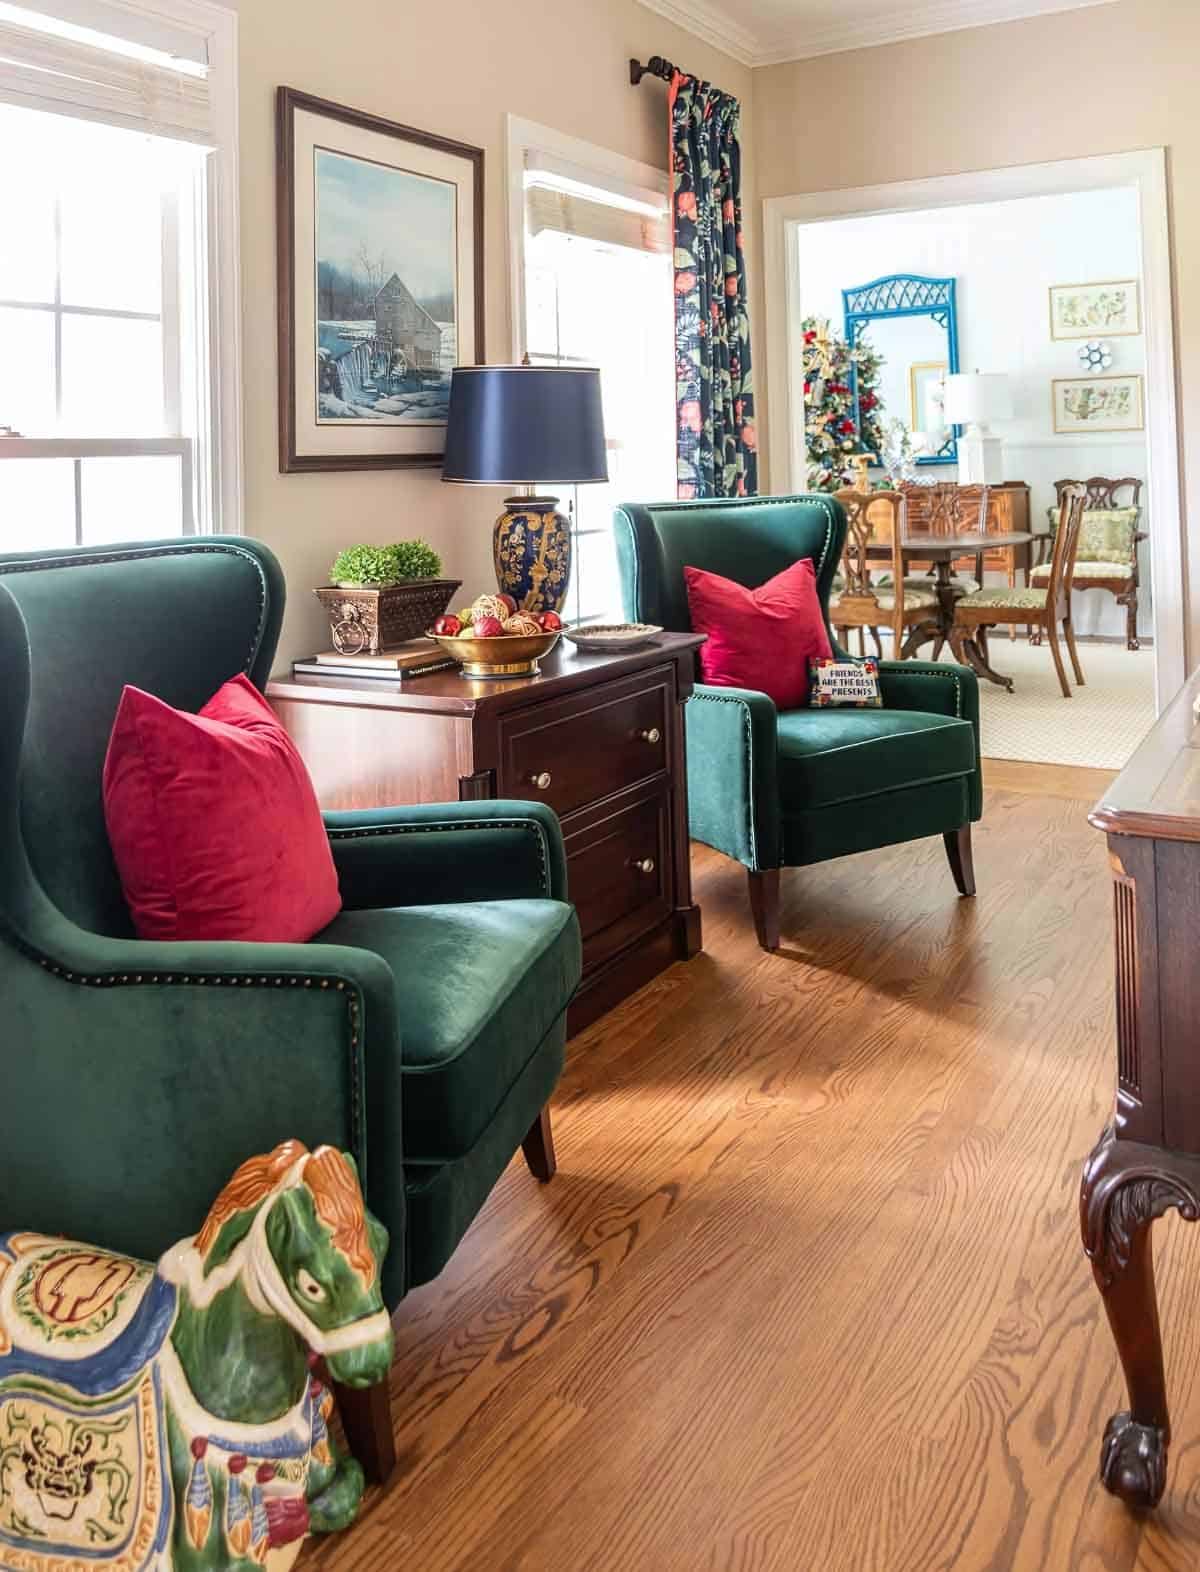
[(972, 399), (522, 426)]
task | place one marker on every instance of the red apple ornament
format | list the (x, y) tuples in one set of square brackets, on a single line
[(448, 626), (549, 622), (487, 627), (508, 601)]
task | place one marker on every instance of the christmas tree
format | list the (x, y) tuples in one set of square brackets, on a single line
[(831, 436)]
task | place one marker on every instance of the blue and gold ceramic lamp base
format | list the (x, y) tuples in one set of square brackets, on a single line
[(531, 548)]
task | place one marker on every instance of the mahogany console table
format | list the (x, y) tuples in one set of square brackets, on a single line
[(599, 738), (1148, 1158)]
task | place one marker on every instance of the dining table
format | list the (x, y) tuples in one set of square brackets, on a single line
[(942, 551)]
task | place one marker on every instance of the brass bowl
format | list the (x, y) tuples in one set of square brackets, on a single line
[(506, 655)]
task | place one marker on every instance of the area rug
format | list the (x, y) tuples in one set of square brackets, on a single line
[(1098, 726)]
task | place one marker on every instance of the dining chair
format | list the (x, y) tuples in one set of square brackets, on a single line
[(1109, 537), (875, 519), (1042, 607)]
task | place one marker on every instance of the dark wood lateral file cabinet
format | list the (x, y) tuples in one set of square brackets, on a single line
[(597, 737), (1148, 1158)]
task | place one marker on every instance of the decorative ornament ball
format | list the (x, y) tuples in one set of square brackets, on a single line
[(465, 615), (549, 621), (449, 626), (488, 606), (508, 601), (486, 627), (522, 622)]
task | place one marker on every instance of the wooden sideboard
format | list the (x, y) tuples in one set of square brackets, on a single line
[(599, 738), (1148, 1158)]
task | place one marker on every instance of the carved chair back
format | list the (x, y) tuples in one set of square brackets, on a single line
[(873, 519), (945, 508), (1072, 499), (1102, 492)]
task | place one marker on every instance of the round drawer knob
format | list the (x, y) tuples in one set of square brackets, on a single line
[(651, 735), (541, 780), (644, 864)]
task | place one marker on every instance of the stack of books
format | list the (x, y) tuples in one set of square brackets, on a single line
[(416, 658)]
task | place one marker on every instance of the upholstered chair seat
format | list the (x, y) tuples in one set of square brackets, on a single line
[(1083, 570), (1011, 595), (785, 788)]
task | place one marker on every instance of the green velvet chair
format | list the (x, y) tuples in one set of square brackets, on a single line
[(785, 790), (423, 1030)]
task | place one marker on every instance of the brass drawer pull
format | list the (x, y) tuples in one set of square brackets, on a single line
[(541, 780), (650, 734), (643, 864)]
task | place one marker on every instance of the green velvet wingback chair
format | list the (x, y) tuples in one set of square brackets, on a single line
[(782, 790), (423, 1030)]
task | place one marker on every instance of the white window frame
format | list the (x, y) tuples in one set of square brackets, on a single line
[(585, 158), (214, 492)]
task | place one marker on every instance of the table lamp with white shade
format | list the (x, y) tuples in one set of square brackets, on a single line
[(973, 398)]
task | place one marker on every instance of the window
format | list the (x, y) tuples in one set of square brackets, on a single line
[(111, 406), (597, 291)]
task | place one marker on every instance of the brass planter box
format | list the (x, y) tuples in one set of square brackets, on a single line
[(365, 619)]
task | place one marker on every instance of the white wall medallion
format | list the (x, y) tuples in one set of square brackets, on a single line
[(1095, 355)]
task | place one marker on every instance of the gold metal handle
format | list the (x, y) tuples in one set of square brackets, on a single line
[(643, 864), (541, 780), (651, 735)]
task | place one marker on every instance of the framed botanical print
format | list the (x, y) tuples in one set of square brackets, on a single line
[(1108, 310), (1098, 404), (380, 257)]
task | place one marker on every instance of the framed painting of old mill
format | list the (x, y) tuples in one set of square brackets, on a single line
[(380, 254)]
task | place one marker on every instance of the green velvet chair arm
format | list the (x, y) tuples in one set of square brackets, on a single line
[(180, 1059), (733, 782), (938, 688), (441, 853)]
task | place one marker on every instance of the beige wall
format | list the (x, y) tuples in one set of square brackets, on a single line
[(455, 68), (1106, 79)]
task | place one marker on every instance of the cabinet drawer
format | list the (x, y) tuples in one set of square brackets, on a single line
[(586, 747), (619, 875)]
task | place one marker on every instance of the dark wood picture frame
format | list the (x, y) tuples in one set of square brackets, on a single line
[(288, 101)]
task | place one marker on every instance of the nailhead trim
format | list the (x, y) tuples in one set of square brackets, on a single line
[(234, 980), (432, 826), (103, 559), (720, 698), (933, 676)]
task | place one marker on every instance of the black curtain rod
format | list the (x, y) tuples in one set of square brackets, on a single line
[(655, 66)]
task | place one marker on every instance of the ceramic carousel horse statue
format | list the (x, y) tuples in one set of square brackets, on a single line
[(170, 1419)]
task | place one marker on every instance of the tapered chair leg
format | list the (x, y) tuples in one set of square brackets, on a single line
[(764, 903), (538, 1147), (961, 859), (1056, 653), (366, 1414), (1069, 630)]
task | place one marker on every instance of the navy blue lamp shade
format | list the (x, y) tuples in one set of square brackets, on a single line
[(514, 425)]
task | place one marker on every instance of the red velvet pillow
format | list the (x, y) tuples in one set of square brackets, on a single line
[(760, 638), (214, 823)]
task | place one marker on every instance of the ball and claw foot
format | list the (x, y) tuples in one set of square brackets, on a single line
[(1133, 1461)]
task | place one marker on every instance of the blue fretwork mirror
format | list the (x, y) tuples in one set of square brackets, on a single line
[(911, 323)]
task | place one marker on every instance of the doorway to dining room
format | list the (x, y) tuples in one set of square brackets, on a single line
[(978, 342)]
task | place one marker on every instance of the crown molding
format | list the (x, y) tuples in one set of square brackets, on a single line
[(751, 48), (710, 23)]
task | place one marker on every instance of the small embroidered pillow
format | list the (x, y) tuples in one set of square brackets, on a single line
[(840, 682)]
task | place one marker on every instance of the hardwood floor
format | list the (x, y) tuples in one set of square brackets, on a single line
[(807, 1294)]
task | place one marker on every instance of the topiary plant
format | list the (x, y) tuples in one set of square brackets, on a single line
[(416, 560), (366, 565)]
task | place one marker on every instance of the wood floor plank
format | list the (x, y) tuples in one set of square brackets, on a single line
[(807, 1291)]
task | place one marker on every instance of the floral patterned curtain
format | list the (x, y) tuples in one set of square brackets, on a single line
[(716, 436)]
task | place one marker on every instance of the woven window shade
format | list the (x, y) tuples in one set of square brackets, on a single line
[(572, 200), (40, 70)]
